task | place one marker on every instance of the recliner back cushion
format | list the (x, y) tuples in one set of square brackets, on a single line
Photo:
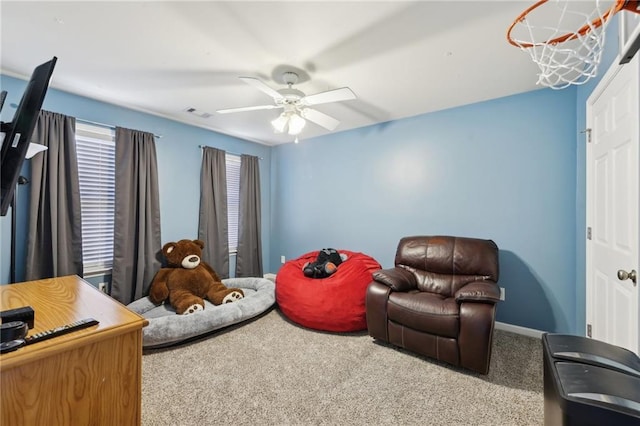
[(444, 264)]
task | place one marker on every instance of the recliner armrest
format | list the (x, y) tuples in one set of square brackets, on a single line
[(479, 291), (397, 279)]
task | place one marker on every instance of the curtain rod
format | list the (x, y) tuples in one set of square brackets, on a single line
[(110, 126), (232, 153)]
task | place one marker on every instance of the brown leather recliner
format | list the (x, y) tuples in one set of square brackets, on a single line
[(439, 300)]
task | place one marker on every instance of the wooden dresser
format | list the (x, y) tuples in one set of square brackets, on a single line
[(91, 376)]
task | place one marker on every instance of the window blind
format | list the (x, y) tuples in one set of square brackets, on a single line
[(233, 198), (96, 170)]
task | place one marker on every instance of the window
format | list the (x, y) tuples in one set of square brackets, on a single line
[(96, 150), (233, 198)]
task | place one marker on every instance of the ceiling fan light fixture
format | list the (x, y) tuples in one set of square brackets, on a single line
[(296, 124), (295, 105), (280, 123)]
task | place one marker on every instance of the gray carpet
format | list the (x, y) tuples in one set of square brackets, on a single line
[(271, 371)]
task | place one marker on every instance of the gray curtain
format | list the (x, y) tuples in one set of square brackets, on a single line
[(249, 255), (136, 246), (213, 227), (54, 241)]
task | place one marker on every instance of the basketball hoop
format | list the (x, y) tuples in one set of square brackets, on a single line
[(565, 38)]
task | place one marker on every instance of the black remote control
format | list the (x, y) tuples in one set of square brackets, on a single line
[(58, 331), (11, 345)]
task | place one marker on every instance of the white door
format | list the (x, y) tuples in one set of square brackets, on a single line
[(613, 113)]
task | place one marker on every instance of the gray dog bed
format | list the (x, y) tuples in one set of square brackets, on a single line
[(166, 327)]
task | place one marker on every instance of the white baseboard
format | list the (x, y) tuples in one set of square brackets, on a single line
[(531, 332)]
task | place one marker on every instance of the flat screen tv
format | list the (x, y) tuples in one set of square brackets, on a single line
[(17, 133)]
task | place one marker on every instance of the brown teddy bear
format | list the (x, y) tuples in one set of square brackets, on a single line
[(188, 280)]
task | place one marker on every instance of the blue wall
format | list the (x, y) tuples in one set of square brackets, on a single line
[(503, 169), (179, 163)]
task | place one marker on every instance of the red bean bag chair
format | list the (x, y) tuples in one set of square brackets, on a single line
[(335, 303)]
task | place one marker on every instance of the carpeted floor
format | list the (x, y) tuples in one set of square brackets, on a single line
[(272, 372)]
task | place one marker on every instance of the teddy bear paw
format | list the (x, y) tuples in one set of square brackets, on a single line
[(232, 297), (193, 309)]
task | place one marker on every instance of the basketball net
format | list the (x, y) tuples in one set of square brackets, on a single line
[(564, 38)]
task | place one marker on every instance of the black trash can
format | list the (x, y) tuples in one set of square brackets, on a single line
[(589, 382)]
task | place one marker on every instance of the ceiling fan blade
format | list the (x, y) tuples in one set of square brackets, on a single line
[(335, 95), (258, 84), (320, 118), (251, 108)]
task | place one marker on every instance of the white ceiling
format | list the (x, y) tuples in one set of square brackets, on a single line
[(400, 58)]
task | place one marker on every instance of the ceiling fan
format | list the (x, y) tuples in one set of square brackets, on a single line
[(295, 104)]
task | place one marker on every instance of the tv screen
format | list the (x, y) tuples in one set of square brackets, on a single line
[(17, 133)]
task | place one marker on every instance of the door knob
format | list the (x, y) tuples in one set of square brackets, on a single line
[(624, 275)]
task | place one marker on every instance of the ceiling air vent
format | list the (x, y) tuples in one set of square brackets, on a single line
[(198, 113)]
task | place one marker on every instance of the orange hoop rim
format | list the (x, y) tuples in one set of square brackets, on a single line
[(619, 5)]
